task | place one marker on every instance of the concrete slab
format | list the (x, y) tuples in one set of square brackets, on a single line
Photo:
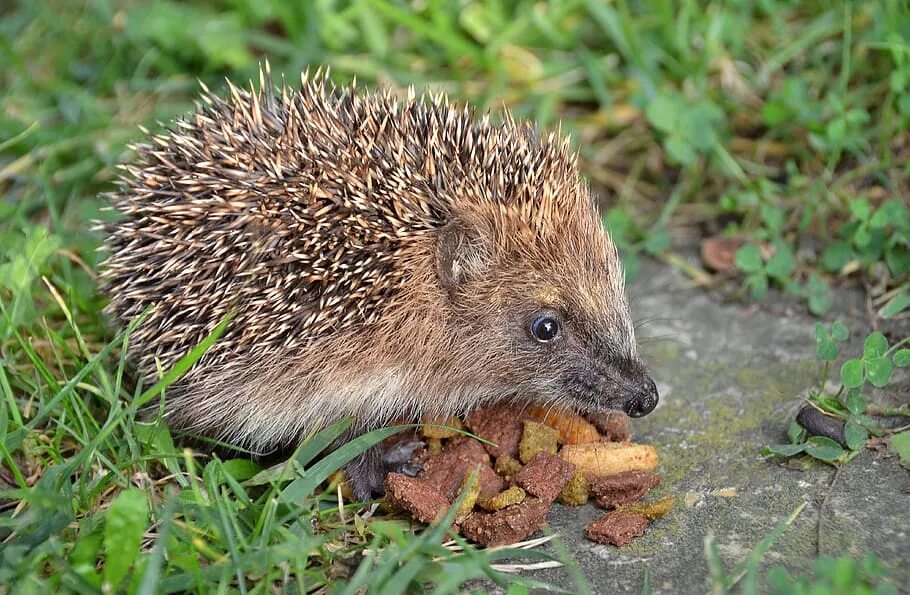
[(730, 376)]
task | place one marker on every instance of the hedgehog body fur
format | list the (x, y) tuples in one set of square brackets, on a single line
[(380, 258)]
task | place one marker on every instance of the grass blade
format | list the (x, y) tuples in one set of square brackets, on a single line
[(303, 487)]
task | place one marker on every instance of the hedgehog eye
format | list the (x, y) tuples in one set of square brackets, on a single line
[(545, 328)]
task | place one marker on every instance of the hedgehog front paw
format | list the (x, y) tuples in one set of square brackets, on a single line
[(366, 473), (399, 458)]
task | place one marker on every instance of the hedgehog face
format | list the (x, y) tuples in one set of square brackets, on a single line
[(554, 323), (567, 352)]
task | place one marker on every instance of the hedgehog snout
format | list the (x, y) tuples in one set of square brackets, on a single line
[(619, 384), (633, 387), (642, 399)]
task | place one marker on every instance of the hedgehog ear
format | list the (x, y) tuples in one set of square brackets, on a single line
[(461, 254)]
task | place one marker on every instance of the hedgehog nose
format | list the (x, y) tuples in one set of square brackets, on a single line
[(642, 401)]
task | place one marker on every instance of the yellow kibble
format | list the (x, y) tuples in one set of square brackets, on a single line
[(434, 446), (508, 497), (507, 466), (536, 438), (575, 493), (441, 428), (472, 486), (650, 510), (610, 458)]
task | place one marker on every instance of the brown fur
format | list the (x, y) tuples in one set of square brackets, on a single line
[(381, 258)]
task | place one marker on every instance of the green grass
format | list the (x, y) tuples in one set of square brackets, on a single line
[(786, 123)]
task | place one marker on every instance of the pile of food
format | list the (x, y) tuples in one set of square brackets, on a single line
[(530, 458)]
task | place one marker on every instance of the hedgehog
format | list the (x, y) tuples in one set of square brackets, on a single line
[(376, 256)]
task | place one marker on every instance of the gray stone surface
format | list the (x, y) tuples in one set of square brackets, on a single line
[(730, 376)]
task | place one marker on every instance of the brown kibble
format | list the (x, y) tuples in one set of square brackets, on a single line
[(499, 424), (535, 438), (611, 491), (507, 466), (617, 528), (544, 476), (506, 526), (650, 510), (511, 496), (575, 492), (422, 500), (572, 428), (490, 482), (445, 473), (468, 449), (441, 428), (609, 458), (614, 426), (447, 470)]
